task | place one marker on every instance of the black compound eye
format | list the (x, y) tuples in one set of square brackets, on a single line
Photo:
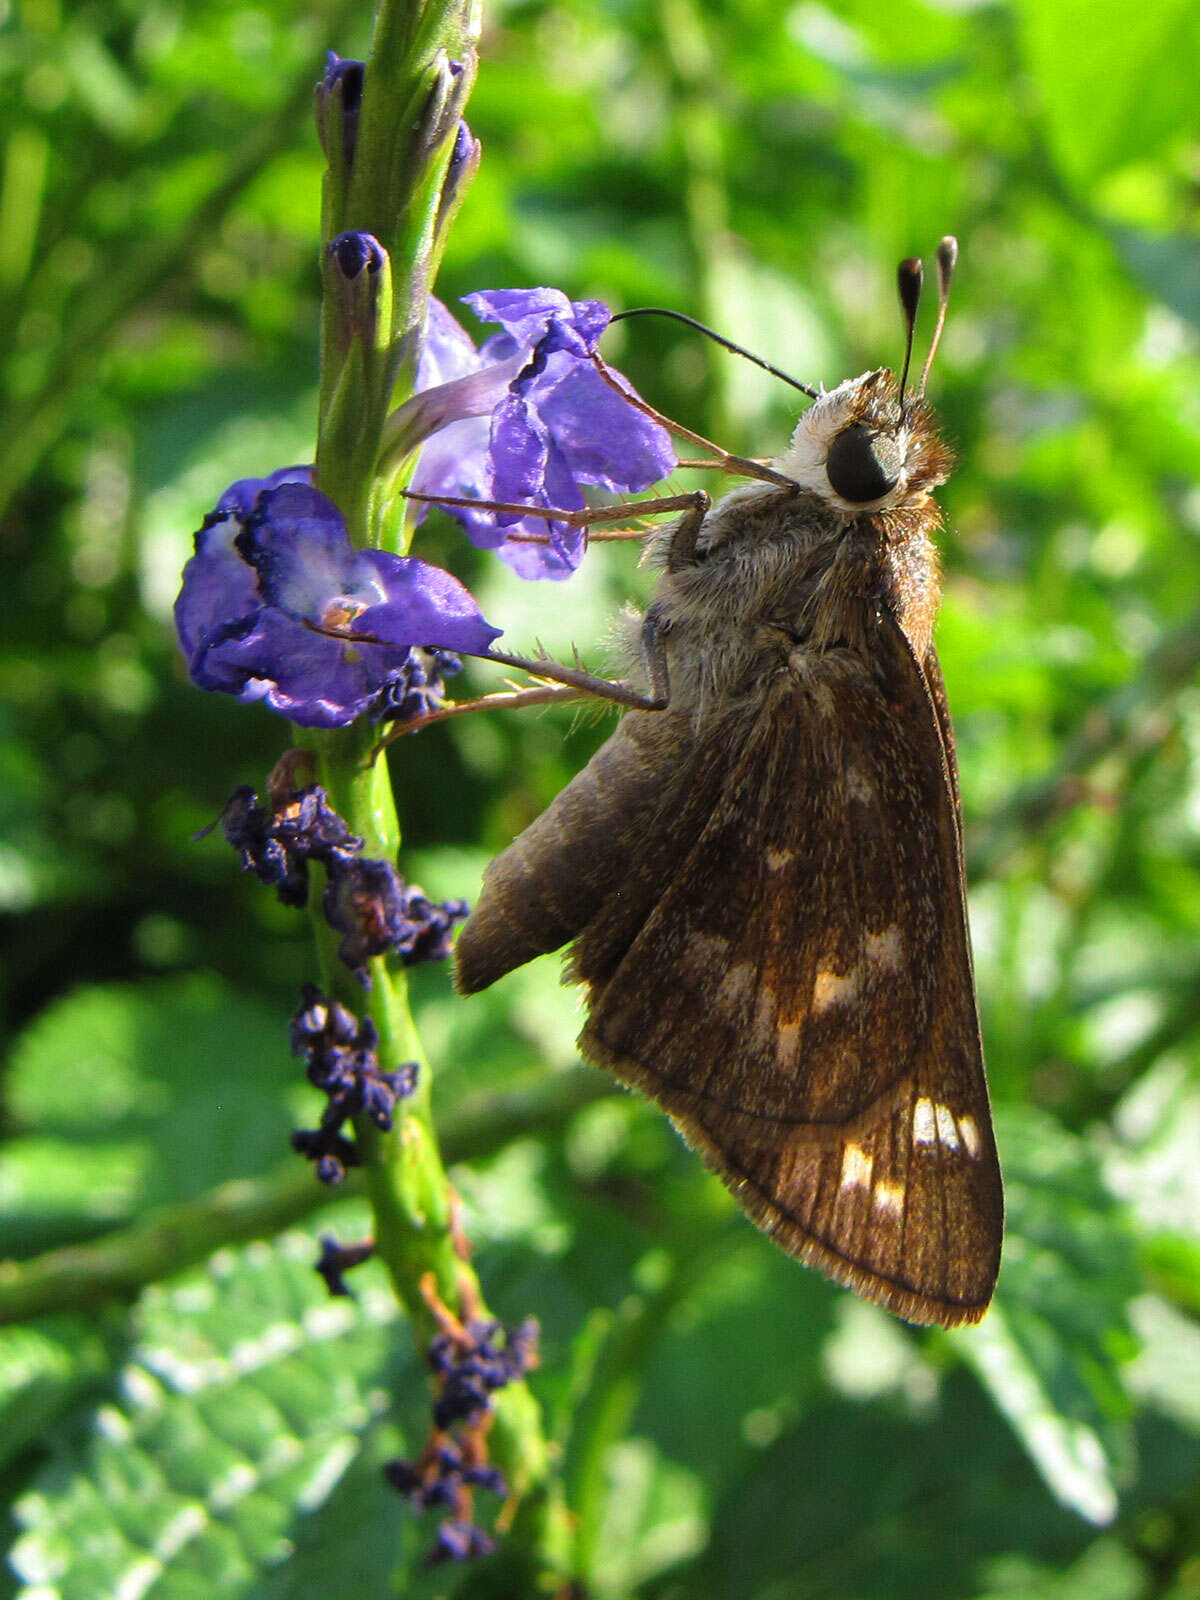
[(862, 465)]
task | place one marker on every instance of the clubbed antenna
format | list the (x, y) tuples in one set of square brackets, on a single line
[(947, 257), (679, 316), (909, 276)]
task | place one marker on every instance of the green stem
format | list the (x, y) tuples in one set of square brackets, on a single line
[(417, 78)]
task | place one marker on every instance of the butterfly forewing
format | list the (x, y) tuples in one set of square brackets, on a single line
[(798, 994)]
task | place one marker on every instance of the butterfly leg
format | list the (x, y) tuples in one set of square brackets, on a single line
[(587, 517), (681, 552), (654, 656)]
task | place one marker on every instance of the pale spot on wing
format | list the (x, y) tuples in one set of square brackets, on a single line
[(787, 1040), (763, 1031), (858, 786), (738, 984), (947, 1129), (835, 989), (856, 1167), (706, 949), (889, 1197), (778, 858), (969, 1129), (885, 949), (924, 1122)]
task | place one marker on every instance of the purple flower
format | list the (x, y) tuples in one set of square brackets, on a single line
[(239, 499), (266, 576), (527, 419)]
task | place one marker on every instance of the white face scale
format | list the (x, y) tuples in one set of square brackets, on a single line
[(806, 460)]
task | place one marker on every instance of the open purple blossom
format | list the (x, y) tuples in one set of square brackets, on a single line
[(527, 419), (266, 578)]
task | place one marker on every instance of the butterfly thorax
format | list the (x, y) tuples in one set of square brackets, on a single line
[(781, 570)]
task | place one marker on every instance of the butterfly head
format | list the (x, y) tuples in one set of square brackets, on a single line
[(860, 452), (871, 444)]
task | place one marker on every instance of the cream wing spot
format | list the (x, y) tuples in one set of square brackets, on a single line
[(969, 1129), (947, 1129), (835, 988), (738, 984), (858, 786), (777, 859), (885, 949), (889, 1197), (787, 1040), (924, 1122), (705, 950), (857, 1165), (763, 1031)]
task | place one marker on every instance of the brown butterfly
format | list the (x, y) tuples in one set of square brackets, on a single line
[(763, 882)]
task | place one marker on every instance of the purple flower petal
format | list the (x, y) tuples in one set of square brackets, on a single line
[(520, 448), (529, 316), (423, 606), (297, 543), (447, 350), (555, 423), (313, 681), (218, 586), (603, 439), (238, 500)]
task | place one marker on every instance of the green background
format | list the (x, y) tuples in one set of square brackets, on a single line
[(730, 1424)]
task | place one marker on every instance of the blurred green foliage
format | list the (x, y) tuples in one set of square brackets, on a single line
[(731, 1425)]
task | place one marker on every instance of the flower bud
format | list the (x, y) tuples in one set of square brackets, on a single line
[(339, 96), (464, 164), (358, 280)]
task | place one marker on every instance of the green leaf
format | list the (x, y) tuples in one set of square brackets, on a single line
[(140, 1095), (655, 1517), (44, 1367), (1112, 80), (241, 1405), (1168, 265), (1052, 1350)]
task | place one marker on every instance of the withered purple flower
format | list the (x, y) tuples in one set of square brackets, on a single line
[(330, 1151), (470, 1361), (341, 1059), (417, 688), (376, 911), (337, 1259), (264, 582), (278, 844)]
